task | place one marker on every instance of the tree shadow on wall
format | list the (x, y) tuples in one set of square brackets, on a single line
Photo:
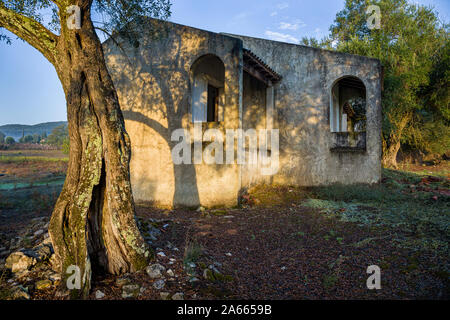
[(186, 191), (163, 88)]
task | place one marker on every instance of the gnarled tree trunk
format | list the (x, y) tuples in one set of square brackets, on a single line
[(390, 154), (93, 220), (390, 151)]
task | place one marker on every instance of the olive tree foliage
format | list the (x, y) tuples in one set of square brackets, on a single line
[(108, 16), (92, 227), (410, 42), (430, 127)]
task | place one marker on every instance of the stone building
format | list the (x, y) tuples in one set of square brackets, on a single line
[(325, 105)]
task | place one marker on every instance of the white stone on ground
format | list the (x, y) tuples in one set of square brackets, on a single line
[(178, 296), (99, 294), (155, 270), (158, 285)]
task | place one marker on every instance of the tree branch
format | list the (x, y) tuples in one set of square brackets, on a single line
[(57, 2), (30, 31), (114, 40)]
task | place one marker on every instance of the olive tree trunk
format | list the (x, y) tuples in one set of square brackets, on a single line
[(389, 159), (392, 147), (92, 226)]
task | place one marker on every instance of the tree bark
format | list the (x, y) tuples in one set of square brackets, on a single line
[(390, 154), (390, 151), (92, 226)]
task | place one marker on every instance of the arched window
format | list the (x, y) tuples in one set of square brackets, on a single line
[(208, 89), (348, 106)]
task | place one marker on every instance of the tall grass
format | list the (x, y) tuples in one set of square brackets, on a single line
[(24, 159)]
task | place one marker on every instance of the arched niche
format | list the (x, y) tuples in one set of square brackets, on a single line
[(208, 74), (348, 105)]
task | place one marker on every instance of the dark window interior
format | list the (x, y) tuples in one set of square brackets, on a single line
[(213, 103)]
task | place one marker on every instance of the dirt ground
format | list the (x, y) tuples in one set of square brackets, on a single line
[(281, 248), (441, 169)]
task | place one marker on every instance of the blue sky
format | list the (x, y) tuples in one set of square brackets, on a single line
[(30, 91)]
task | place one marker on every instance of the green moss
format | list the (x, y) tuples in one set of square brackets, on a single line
[(329, 281), (156, 224), (208, 275), (273, 195), (443, 275), (5, 293), (131, 239), (218, 212), (218, 277)]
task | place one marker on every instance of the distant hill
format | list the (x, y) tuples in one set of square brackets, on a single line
[(17, 130)]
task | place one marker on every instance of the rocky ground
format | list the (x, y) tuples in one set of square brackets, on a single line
[(282, 243), (248, 253)]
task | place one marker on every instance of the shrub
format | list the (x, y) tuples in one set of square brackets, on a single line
[(26, 139), (58, 135), (10, 140), (192, 252), (65, 145)]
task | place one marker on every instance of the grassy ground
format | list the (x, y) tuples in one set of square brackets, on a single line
[(417, 204), (27, 169), (30, 182), (32, 155), (442, 169)]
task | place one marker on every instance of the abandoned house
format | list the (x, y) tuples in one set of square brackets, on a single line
[(325, 105)]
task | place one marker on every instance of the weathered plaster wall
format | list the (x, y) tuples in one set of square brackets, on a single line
[(254, 103), (253, 117), (302, 113), (153, 82)]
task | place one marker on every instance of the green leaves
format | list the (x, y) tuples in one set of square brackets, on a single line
[(117, 14), (58, 136), (413, 47), (109, 15)]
